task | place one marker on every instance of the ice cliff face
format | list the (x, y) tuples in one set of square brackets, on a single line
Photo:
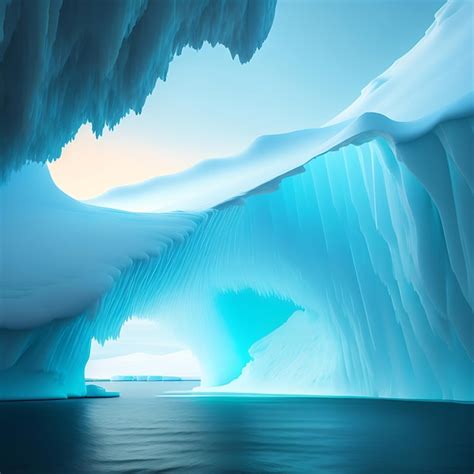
[(380, 269), (64, 62), (347, 274)]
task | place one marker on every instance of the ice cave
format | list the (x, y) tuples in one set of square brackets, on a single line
[(329, 261)]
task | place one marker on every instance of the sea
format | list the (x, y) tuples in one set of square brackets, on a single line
[(163, 427)]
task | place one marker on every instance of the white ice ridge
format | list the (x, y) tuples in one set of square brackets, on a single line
[(267, 161), (367, 255), (65, 63), (430, 84)]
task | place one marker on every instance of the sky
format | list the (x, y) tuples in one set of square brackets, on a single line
[(314, 63), (144, 348)]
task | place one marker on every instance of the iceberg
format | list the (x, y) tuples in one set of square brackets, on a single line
[(339, 262)]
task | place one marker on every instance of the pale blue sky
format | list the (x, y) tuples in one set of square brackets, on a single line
[(317, 58)]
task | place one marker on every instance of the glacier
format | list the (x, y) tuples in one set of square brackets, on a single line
[(340, 262)]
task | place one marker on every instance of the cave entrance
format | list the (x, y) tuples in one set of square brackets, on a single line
[(144, 352)]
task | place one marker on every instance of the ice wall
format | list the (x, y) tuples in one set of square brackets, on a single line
[(374, 252), (65, 62), (364, 246)]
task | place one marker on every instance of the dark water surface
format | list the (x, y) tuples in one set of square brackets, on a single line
[(142, 433)]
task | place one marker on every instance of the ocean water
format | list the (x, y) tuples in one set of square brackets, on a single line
[(147, 430)]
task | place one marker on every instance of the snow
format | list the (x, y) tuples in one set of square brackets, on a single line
[(352, 271), (432, 83), (266, 162), (435, 73)]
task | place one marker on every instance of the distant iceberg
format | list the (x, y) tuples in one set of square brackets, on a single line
[(331, 261), (146, 378)]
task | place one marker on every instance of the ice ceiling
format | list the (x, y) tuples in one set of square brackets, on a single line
[(62, 65), (328, 261)]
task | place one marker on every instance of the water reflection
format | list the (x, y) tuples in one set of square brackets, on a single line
[(140, 432), (47, 436)]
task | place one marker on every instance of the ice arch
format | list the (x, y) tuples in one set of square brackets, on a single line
[(361, 242)]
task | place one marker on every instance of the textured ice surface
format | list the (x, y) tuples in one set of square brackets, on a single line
[(379, 256), (366, 256), (65, 63), (59, 255), (434, 74), (299, 357), (432, 83)]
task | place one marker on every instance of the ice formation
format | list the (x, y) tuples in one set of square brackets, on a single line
[(340, 262), (62, 65)]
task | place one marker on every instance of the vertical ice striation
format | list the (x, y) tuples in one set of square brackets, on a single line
[(362, 265), (388, 267), (64, 63)]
